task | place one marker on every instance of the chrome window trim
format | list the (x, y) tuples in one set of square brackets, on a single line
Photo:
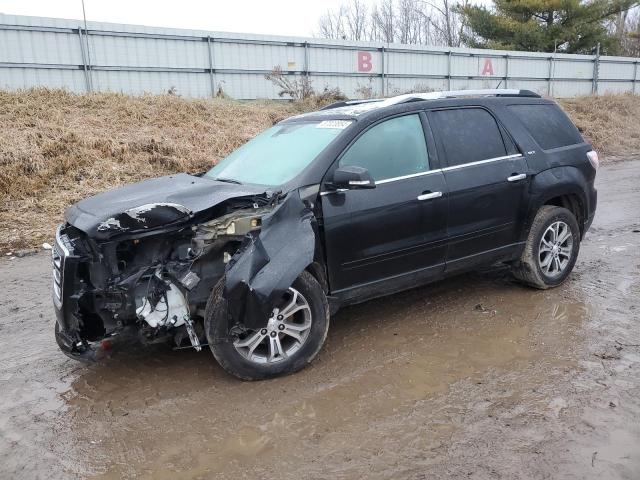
[(437, 170), (404, 177), (480, 162), (447, 169)]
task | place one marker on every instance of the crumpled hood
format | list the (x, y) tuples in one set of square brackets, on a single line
[(151, 203)]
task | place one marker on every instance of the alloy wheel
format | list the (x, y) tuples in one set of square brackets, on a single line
[(556, 248), (286, 332)]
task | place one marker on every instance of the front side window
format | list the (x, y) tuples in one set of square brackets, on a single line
[(468, 135), (278, 154), (393, 148)]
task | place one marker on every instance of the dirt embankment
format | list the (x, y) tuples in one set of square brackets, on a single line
[(610, 122), (57, 148)]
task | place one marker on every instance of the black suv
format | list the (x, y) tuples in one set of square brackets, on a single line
[(355, 201)]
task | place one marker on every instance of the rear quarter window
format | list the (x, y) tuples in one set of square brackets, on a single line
[(548, 125)]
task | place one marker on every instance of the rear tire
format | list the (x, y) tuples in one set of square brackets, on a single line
[(251, 356), (551, 250)]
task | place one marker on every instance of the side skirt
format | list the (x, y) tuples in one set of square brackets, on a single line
[(390, 285)]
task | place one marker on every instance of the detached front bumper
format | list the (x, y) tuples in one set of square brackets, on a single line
[(74, 348), (65, 303), (65, 265)]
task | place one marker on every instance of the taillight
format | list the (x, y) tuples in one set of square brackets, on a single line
[(593, 159)]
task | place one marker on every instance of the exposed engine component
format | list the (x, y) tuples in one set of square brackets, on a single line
[(191, 331), (238, 224), (152, 268), (190, 280), (170, 309)]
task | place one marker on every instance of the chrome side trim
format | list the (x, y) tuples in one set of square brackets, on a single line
[(480, 162), (448, 169), (404, 177), (437, 170)]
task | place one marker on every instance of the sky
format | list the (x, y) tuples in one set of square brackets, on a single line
[(277, 17)]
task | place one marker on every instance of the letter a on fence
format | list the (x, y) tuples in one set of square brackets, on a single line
[(487, 70)]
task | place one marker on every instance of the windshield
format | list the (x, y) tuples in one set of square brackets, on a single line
[(278, 154)]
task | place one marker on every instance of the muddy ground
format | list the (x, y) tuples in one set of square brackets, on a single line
[(474, 377)]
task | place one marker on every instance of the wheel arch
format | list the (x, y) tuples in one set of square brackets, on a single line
[(563, 187), (319, 272)]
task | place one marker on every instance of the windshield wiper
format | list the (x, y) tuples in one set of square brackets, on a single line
[(228, 180)]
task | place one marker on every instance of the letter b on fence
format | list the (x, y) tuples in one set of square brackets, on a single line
[(364, 62)]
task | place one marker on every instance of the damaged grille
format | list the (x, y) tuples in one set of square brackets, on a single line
[(58, 254)]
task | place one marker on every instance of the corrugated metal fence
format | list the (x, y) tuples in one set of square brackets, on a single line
[(134, 59)]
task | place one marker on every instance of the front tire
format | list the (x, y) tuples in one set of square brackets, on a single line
[(290, 339), (551, 250)]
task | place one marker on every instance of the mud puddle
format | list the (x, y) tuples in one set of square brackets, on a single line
[(474, 377)]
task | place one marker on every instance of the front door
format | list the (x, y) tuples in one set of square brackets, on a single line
[(396, 229)]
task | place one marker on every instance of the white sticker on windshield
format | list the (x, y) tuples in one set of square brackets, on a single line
[(339, 124)]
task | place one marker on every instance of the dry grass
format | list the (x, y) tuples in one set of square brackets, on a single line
[(57, 148), (610, 122)]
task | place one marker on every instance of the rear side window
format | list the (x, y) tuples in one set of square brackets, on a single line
[(548, 125), (393, 148), (468, 135)]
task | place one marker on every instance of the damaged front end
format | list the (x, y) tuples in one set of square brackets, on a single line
[(148, 272)]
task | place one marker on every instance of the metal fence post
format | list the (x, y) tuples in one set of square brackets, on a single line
[(84, 61), (306, 59), (86, 39), (506, 71), (596, 71), (212, 80), (449, 70), (552, 74), (382, 74), (635, 77)]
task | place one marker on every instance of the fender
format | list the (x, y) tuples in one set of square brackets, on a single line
[(269, 261), (558, 182)]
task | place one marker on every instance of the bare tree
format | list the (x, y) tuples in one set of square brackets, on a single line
[(383, 22), (631, 39), (331, 24), (410, 23), (356, 20), (430, 22), (445, 19)]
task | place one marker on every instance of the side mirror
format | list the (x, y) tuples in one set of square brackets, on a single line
[(352, 177)]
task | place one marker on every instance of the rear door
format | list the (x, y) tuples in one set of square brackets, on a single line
[(487, 182), (399, 226)]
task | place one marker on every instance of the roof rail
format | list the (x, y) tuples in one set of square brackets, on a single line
[(347, 103), (494, 92), (414, 97)]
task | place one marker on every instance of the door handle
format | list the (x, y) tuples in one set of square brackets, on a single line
[(516, 177), (429, 195)]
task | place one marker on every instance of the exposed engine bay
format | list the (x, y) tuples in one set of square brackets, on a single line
[(150, 270)]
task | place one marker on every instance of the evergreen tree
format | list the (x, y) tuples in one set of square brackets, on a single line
[(574, 26)]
